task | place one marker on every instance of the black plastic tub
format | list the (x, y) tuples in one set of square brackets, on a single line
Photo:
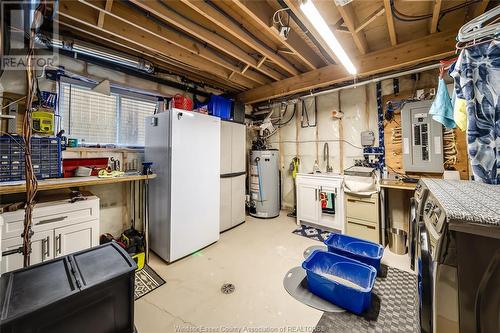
[(91, 291)]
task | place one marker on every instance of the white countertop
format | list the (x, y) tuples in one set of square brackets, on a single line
[(321, 175)]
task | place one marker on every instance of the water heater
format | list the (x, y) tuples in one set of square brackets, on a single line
[(264, 183)]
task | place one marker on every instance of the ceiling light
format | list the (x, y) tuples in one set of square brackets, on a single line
[(322, 28)]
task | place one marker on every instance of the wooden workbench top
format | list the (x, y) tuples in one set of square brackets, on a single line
[(59, 183), (397, 184)]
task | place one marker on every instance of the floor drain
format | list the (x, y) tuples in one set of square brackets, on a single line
[(227, 288)]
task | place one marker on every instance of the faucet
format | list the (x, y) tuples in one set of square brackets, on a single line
[(326, 157)]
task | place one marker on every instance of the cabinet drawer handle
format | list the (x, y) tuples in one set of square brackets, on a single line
[(56, 219), (363, 225), (315, 194), (58, 244), (47, 246), (367, 202), (44, 248)]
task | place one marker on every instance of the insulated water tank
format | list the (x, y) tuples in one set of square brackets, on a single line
[(264, 183)]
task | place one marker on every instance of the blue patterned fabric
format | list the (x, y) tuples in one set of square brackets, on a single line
[(477, 80)]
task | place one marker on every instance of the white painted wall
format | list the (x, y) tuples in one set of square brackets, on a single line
[(360, 113), (359, 106)]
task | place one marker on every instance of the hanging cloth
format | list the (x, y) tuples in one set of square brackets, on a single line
[(460, 113), (442, 109), (477, 80)]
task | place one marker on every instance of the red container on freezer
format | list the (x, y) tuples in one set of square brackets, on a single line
[(182, 102)]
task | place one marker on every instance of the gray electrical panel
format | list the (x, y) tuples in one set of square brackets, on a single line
[(422, 139)]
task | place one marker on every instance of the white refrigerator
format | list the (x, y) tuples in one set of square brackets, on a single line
[(184, 198)]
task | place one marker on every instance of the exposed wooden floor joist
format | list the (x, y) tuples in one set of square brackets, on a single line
[(260, 13), (432, 47), (390, 22), (85, 15), (219, 19), (143, 23), (111, 41), (348, 15), (164, 13)]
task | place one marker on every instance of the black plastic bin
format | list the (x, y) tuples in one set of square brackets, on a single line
[(91, 291)]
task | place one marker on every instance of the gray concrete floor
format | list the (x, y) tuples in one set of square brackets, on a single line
[(254, 257)]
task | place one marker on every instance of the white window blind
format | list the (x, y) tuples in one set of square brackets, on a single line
[(132, 115), (95, 118)]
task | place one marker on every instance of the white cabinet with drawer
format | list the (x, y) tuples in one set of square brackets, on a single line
[(362, 217), (59, 228), (311, 191)]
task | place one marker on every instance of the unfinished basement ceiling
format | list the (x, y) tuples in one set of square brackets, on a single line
[(233, 45)]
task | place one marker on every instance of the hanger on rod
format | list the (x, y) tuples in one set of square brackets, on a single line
[(485, 25)]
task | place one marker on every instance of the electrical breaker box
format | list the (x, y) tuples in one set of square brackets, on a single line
[(422, 139)]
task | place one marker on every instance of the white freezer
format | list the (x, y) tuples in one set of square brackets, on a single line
[(184, 199)]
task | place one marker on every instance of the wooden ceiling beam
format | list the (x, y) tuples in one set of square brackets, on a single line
[(339, 26), (128, 16), (107, 7), (364, 23), (480, 8), (294, 6), (167, 15), (261, 13), (390, 22), (349, 17), (80, 13), (436, 9), (113, 41), (431, 47), (222, 21)]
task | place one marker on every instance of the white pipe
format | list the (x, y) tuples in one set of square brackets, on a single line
[(362, 83), (381, 78)]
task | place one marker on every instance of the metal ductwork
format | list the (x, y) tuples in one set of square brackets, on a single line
[(101, 53)]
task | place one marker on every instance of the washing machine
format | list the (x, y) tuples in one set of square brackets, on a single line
[(457, 251)]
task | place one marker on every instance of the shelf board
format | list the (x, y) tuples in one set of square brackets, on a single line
[(59, 183)]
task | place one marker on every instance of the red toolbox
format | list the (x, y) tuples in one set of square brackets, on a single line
[(71, 164)]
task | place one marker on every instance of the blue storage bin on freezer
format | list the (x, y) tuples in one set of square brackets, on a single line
[(367, 252), (356, 299), (220, 107)]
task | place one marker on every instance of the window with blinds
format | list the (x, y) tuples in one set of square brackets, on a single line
[(94, 118)]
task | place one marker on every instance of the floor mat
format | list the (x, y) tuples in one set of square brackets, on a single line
[(397, 296), (146, 280), (295, 283), (312, 233)]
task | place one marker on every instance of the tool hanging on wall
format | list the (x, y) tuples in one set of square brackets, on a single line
[(293, 170), (305, 114), (43, 121), (389, 111)]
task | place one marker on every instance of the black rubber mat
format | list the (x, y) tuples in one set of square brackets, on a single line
[(394, 308)]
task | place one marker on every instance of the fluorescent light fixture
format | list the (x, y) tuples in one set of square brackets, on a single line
[(322, 28)]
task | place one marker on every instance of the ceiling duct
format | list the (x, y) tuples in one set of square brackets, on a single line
[(98, 52)]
